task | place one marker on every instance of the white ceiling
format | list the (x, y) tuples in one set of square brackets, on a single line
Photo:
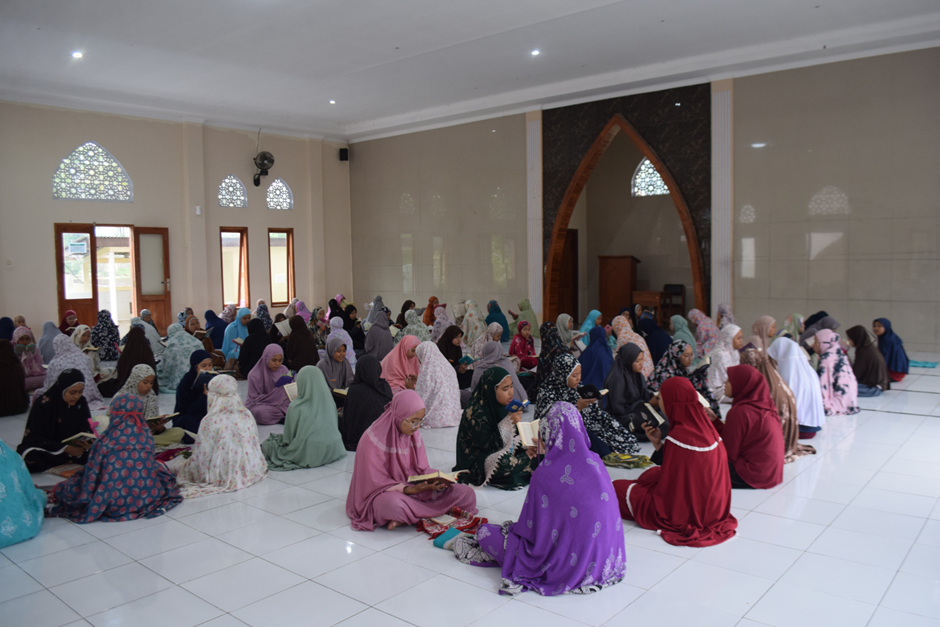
[(400, 65)]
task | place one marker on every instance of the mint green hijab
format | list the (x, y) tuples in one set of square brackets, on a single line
[(311, 435), (681, 331)]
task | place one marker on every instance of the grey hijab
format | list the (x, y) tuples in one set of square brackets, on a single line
[(492, 357), (339, 374), (378, 338), (49, 332), (566, 334), (377, 306)]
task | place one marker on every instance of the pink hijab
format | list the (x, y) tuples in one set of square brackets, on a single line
[(32, 362), (761, 328), (302, 311), (261, 379), (385, 458), (838, 382), (706, 333), (397, 366)]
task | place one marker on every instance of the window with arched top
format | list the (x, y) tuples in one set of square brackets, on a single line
[(232, 193), (92, 173), (647, 181), (279, 195)]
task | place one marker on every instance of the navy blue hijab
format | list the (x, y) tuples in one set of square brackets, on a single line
[(496, 315), (216, 328), (892, 348), (597, 359), (657, 340)]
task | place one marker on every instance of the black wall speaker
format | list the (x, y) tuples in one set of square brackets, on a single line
[(344, 154)]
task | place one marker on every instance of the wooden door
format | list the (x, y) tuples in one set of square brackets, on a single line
[(151, 258), (76, 262), (568, 285)]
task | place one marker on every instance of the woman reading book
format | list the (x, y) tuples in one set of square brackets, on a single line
[(335, 366), (437, 386), (69, 322), (192, 327), (449, 345), (569, 536), (267, 401), (81, 337), (235, 334), (136, 351), (301, 345), (488, 444), (58, 414), (175, 360), (68, 356), (105, 336), (523, 346), (122, 480), (675, 363), (390, 452), (140, 383), (400, 367), (627, 385), (493, 357), (687, 500), (191, 403), (255, 343), (366, 399)]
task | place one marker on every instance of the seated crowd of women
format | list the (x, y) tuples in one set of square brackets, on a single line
[(370, 386)]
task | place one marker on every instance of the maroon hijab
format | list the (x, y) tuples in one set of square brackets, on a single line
[(752, 433)]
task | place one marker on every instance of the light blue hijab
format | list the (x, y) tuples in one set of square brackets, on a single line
[(233, 330), (589, 323)]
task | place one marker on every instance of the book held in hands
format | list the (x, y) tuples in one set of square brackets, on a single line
[(440, 475), (528, 432)]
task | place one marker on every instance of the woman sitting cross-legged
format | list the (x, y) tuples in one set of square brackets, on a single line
[(267, 401), (58, 414), (226, 456), (311, 436), (390, 452), (688, 499), (569, 537), (140, 383), (122, 480), (488, 444), (366, 399), (437, 387), (627, 389)]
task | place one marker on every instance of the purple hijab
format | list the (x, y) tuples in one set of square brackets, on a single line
[(569, 537), (262, 389)]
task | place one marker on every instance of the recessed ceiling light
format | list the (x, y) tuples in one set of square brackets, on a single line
[(535, 53), (759, 145), (494, 130), (332, 102), (678, 104), (76, 55)]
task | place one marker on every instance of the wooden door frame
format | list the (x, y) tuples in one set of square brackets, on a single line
[(291, 287), (243, 231), (139, 297), (577, 295), (60, 228), (617, 124)]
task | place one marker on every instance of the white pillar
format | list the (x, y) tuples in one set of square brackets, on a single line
[(722, 194)]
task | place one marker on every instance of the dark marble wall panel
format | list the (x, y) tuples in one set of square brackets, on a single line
[(680, 135)]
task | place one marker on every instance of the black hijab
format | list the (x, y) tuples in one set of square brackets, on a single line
[(274, 335), (215, 326), (366, 400), (191, 400), (255, 343), (400, 320), (869, 366), (301, 345), (626, 387), (13, 399), (355, 330), (335, 311), (136, 351), (52, 420), (446, 344)]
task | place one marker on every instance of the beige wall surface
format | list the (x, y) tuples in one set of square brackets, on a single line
[(840, 211), (618, 223), (443, 213), (174, 167)]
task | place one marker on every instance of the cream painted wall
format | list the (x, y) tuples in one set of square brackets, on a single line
[(841, 209), (646, 227), (174, 167), (441, 200)]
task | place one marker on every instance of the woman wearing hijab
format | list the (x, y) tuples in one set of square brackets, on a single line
[(401, 367), (594, 319), (377, 306), (891, 346), (676, 363), (569, 537), (687, 500), (792, 326), (869, 366), (679, 327), (228, 313), (136, 352), (68, 357), (803, 381), (45, 344), (488, 444), (495, 314), (725, 315), (291, 310), (400, 320), (441, 322), (192, 327), (493, 357), (146, 316), (274, 334), (367, 398), (81, 337), (28, 355), (836, 379), (415, 327), (565, 326), (236, 330), (69, 321), (723, 356), (473, 326), (13, 397), (751, 431), (825, 322), (596, 360), (657, 340), (262, 314), (335, 310), (353, 327), (6, 328), (706, 333), (227, 456), (250, 352), (765, 330), (191, 399), (106, 336), (22, 502), (494, 333), (460, 310), (437, 387), (175, 360), (378, 338), (58, 414), (626, 335), (140, 383), (526, 314), (267, 401), (552, 347), (433, 304), (153, 338), (337, 331), (562, 385), (215, 328), (626, 384), (301, 346), (311, 437), (335, 367), (100, 490), (449, 345), (522, 346), (390, 451)]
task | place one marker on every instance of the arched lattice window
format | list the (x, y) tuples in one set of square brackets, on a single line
[(647, 181), (232, 193), (279, 195), (91, 173)]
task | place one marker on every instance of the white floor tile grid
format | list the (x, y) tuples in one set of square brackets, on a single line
[(852, 537)]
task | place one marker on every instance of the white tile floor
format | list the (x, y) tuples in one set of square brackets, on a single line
[(851, 538)]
